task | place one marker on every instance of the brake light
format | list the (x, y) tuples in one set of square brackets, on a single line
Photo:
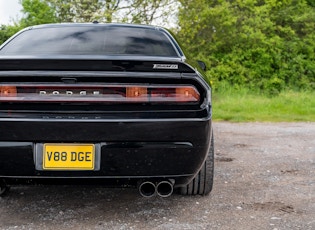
[(137, 93), (186, 94), (99, 93), (8, 91), (176, 94)]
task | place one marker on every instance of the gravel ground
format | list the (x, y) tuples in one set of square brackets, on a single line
[(264, 179)]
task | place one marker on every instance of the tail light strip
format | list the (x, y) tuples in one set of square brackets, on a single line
[(99, 93)]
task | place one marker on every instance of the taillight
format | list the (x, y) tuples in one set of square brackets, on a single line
[(93, 93), (175, 94), (8, 91), (187, 94), (137, 93)]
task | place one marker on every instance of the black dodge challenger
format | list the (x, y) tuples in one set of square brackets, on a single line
[(109, 104)]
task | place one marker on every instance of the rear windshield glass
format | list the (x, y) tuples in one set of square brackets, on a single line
[(85, 40)]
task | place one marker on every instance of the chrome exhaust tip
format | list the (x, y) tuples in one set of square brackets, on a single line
[(147, 189), (164, 189)]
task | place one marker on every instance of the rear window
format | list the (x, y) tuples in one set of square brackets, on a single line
[(94, 40)]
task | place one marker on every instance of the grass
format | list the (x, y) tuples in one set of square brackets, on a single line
[(243, 106)]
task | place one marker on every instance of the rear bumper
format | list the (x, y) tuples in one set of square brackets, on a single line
[(129, 149)]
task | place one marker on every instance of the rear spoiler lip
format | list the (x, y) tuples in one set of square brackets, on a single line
[(90, 57), (95, 63)]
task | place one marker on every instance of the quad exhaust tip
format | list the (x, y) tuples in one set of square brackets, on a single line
[(149, 189), (164, 189)]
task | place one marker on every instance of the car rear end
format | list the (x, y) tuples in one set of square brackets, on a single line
[(116, 119)]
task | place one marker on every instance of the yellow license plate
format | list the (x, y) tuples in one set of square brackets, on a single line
[(68, 156)]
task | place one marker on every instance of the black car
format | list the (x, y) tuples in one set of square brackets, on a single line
[(109, 104)]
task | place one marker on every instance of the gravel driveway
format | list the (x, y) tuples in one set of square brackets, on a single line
[(264, 179)]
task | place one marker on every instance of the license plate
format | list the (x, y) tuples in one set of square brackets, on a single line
[(68, 156)]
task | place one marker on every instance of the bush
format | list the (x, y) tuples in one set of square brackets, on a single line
[(266, 46)]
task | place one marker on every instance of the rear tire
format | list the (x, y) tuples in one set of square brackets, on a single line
[(203, 181)]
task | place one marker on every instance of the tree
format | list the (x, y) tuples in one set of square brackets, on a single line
[(36, 12), (149, 11), (50, 11), (311, 2), (265, 45), (133, 11), (76, 10)]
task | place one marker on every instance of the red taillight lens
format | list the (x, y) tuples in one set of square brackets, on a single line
[(93, 93), (187, 94), (137, 93), (176, 94), (8, 91)]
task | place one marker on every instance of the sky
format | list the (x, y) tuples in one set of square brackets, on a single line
[(9, 10)]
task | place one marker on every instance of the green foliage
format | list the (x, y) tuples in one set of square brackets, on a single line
[(81, 10), (263, 45), (311, 2), (134, 11), (36, 12), (147, 11)]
